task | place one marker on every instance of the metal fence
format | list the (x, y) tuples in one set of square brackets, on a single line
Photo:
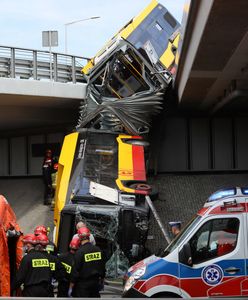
[(31, 64)]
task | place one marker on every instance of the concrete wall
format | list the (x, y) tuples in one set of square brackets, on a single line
[(201, 144), (23, 155)]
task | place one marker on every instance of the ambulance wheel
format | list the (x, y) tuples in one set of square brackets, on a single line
[(166, 295)]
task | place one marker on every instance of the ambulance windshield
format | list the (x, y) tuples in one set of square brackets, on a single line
[(183, 233)]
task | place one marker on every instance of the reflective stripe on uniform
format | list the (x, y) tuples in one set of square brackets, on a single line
[(52, 266), (41, 262), (49, 248), (67, 267), (92, 256)]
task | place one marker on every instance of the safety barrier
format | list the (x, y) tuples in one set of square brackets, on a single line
[(31, 64)]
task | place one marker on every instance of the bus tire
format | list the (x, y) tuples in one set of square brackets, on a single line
[(141, 187)]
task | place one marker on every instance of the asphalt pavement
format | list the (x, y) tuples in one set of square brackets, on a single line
[(25, 196)]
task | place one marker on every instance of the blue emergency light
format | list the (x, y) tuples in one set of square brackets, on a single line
[(222, 194), (244, 190)]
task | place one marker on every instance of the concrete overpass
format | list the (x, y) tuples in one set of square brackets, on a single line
[(38, 90), (213, 68)]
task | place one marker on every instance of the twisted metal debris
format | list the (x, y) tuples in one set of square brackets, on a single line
[(123, 92)]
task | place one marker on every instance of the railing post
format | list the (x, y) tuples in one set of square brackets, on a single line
[(73, 63), (55, 67), (12, 63), (35, 71)]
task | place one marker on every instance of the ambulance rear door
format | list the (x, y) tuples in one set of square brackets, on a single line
[(212, 261)]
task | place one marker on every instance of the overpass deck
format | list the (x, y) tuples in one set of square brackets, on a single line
[(39, 88)]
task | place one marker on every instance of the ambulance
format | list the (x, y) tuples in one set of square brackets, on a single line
[(208, 258)]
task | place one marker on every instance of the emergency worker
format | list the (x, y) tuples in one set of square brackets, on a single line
[(51, 247), (47, 170), (67, 259), (34, 271), (89, 268), (57, 269), (81, 224), (175, 227)]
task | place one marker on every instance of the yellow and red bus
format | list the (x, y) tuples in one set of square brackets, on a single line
[(154, 33), (102, 171), (102, 181)]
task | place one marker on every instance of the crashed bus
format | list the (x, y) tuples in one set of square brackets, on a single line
[(102, 167), (154, 33), (103, 183)]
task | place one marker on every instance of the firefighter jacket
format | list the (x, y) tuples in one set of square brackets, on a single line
[(56, 267), (88, 264), (67, 260), (34, 270)]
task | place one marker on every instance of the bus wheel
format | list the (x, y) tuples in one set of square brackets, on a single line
[(141, 187)]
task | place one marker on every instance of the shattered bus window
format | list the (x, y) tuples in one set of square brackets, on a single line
[(99, 165), (120, 231), (124, 76), (117, 265)]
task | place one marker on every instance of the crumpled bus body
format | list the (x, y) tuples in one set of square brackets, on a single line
[(10, 247), (102, 166), (128, 77)]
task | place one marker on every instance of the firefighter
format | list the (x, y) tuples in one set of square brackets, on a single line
[(57, 269), (51, 247), (88, 271), (81, 224), (34, 271), (47, 170), (67, 259)]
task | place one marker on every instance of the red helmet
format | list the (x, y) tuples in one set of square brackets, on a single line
[(42, 239), (29, 238), (75, 243), (83, 233), (41, 229)]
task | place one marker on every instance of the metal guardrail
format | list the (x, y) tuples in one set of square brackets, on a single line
[(24, 63)]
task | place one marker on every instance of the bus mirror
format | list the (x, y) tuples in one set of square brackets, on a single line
[(185, 256)]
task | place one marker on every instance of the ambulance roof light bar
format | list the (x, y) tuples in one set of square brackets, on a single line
[(244, 190), (222, 194)]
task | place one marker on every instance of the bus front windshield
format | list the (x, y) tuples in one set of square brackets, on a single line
[(181, 235)]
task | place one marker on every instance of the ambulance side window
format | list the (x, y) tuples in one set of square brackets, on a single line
[(215, 238)]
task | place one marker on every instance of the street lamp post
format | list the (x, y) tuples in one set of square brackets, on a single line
[(74, 22)]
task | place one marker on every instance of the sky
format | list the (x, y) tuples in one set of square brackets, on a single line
[(22, 22)]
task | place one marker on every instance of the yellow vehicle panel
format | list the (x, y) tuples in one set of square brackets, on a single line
[(64, 172), (124, 33), (168, 57)]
